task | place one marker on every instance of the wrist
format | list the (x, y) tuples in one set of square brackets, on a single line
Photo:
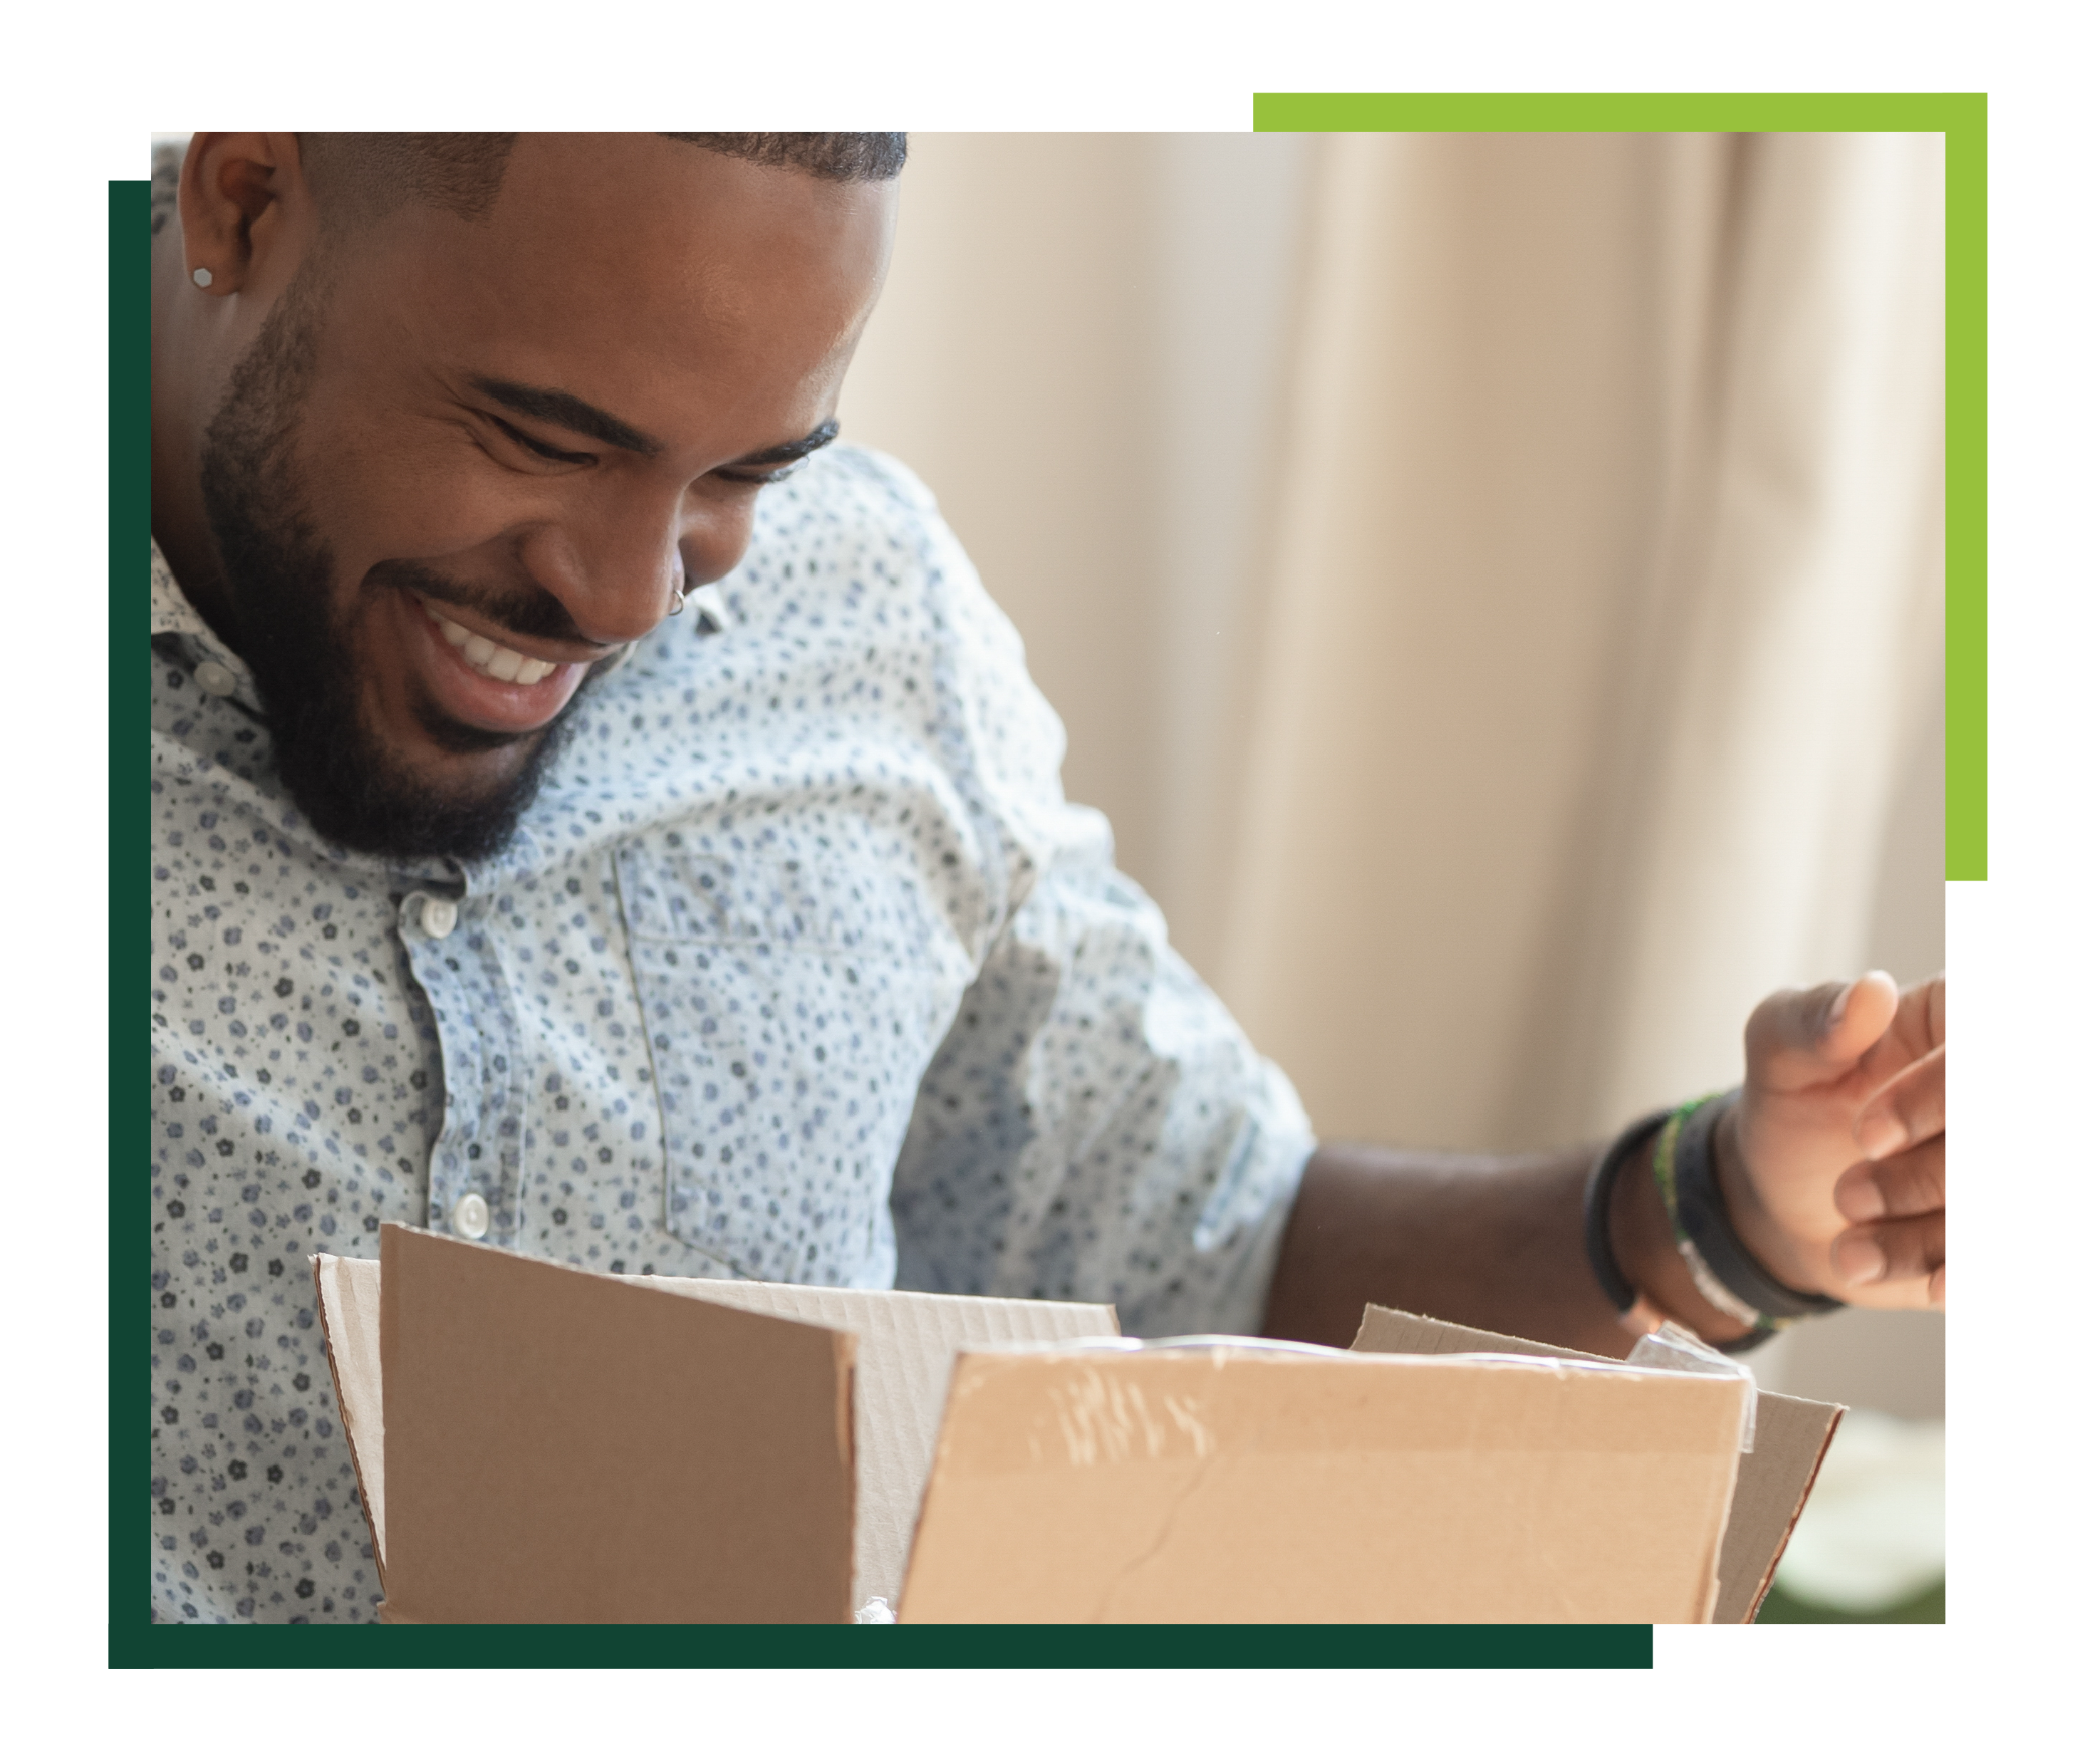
[(1646, 1249)]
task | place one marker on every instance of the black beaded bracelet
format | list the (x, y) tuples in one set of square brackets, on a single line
[(1701, 1217), (1597, 1214), (1692, 1121)]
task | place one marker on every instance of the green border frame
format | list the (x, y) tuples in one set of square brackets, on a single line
[(1961, 117), (135, 1642), (886, 1647), (130, 907)]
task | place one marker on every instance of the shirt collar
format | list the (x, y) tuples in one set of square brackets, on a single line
[(174, 615)]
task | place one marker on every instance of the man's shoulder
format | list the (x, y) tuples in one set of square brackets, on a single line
[(848, 491), (855, 538), (884, 480)]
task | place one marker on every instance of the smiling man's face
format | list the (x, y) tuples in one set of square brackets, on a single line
[(458, 464)]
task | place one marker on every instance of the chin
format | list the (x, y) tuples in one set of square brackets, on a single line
[(418, 798)]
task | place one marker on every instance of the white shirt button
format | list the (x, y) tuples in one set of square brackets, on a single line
[(212, 677), (470, 1217), (440, 917)]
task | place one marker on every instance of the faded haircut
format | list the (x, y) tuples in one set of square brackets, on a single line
[(368, 176)]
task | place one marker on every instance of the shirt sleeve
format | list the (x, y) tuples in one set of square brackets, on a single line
[(1096, 1126)]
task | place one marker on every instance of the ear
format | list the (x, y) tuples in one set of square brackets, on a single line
[(236, 199)]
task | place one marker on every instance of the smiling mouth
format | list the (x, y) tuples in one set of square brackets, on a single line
[(489, 659)]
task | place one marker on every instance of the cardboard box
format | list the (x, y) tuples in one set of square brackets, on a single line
[(538, 1443), (1233, 1484), (1772, 1484), (490, 1398)]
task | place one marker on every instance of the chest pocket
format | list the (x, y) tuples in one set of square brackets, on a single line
[(793, 1000)]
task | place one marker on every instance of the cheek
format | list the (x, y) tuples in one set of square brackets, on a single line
[(382, 489), (415, 502)]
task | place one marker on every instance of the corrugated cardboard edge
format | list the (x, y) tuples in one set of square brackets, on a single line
[(354, 1420), (1764, 1584), (1752, 1545), (845, 1349)]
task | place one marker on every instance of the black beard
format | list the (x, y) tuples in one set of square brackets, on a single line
[(279, 588)]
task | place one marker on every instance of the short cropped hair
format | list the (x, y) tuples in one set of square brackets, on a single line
[(368, 176)]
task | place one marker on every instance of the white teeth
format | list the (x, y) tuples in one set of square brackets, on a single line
[(487, 658)]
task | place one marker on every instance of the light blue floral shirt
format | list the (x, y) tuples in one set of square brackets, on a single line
[(800, 967)]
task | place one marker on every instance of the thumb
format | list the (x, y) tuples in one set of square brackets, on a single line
[(1796, 1038)]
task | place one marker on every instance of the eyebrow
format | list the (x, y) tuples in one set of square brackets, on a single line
[(820, 436), (565, 409)]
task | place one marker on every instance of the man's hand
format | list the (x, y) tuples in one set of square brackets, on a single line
[(1834, 1163)]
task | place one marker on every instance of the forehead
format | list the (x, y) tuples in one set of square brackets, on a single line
[(640, 273)]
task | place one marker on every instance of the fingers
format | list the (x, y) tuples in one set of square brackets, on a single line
[(1909, 1108), (1857, 1015), (1894, 1255), (1891, 1253), (1929, 1000), (1798, 1037), (1892, 1294), (1920, 1023), (1905, 1186)]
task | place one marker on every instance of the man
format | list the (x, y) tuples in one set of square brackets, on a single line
[(593, 818)]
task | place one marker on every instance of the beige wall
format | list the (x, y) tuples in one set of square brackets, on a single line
[(1081, 348), (1425, 544)]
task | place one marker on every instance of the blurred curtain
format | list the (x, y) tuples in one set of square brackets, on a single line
[(1600, 622), (1492, 582)]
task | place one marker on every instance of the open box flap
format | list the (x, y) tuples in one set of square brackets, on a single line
[(907, 1345), (347, 1297), (560, 1446), (1770, 1487), (1217, 1483)]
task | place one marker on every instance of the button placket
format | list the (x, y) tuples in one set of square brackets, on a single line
[(491, 1163), (470, 1217), (474, 1164), (453, 1015)]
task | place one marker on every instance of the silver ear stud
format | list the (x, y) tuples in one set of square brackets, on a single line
[(202, 277)]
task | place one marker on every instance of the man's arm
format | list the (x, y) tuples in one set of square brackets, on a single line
[(1485, 1241), (1497, 1241)]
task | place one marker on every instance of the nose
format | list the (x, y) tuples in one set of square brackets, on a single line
[(617, 565)]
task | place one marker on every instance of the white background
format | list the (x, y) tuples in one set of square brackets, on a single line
[(85, 87)]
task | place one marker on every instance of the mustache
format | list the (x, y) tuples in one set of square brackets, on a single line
[(533, 613)]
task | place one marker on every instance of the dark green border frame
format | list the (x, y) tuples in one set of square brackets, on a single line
[(130, 935), (134, 1643), (1961, 117), (880, 1646)]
